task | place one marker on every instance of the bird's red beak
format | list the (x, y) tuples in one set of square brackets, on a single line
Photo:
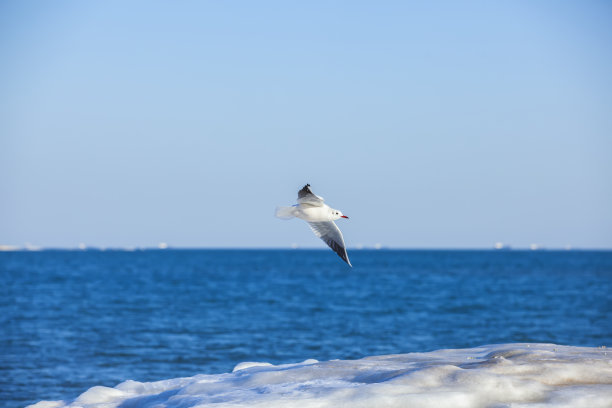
[(344, 216)]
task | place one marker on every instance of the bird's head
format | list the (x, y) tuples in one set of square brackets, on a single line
[(337, 214)]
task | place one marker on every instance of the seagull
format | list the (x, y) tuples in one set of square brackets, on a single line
[(320, 217)]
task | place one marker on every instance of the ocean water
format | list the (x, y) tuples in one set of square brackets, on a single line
[(70, 320)]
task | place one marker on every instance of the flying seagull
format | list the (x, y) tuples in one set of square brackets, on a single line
[(320, 217)]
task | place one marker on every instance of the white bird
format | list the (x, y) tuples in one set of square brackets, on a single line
[(320, 217)]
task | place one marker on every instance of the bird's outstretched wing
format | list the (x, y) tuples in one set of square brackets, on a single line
[(329, 232), (308, 198)]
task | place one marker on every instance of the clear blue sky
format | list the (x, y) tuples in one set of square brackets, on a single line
[(431, 124)]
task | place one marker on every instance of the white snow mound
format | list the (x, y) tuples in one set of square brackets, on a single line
[(516, 375)]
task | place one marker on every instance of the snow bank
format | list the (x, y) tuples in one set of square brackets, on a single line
[(517, 375)]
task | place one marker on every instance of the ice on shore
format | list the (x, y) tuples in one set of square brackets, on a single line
[(516, 375)]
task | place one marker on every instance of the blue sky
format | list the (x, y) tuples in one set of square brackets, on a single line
[(431, 124)]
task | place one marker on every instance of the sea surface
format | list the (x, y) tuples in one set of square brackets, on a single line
[(73, 319)]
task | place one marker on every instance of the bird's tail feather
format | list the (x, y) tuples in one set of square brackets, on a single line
[(285, 212)]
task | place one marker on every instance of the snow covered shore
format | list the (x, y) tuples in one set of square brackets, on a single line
[(507, 375)]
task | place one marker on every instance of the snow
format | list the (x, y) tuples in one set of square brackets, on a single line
[(507, 375)]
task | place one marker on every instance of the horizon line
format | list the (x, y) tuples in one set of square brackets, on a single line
[(165, 247)]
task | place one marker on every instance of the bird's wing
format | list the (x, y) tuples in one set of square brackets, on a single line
[(329, 232), (308, 198)]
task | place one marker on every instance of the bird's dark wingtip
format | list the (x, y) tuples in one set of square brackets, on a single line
[(347, 261), (304, 191), (338, 249)]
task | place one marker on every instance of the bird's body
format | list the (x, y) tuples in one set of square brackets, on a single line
[(320, 217), (314, 214)]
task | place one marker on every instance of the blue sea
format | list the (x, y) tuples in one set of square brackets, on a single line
[(73, 319)]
